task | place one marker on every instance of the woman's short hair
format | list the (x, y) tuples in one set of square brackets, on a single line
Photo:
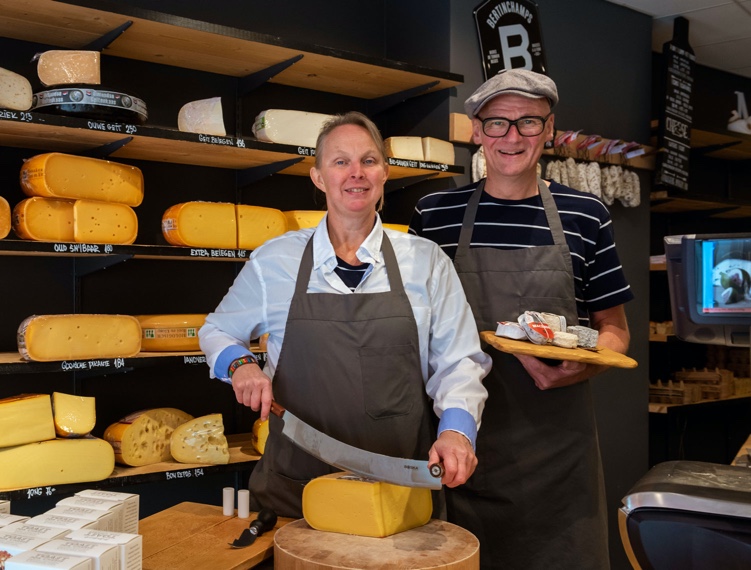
[(350, 118)]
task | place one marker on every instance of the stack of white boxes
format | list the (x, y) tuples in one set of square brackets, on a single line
[(92, 530)]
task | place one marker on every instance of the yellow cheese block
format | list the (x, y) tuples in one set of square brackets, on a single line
[(345, 503), (398, 227), (143, 437), (25, 419), (64, 67), (437, 150), (170, 332), (58, 175), (44, 219), (55, 462), (5, 217), (404, 147), (201, 224), (256, 224), (301, 219), (75, 416), (200, 441), (77, 337), (260, 435), (104, 222)]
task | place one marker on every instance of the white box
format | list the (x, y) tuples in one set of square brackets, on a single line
[(35, 530), (105, 556), (117, 508), (16, 544), (8, 519), (129, 545), (105, 519), (4, 506), (57, 521), (130, 500), (35, 560)]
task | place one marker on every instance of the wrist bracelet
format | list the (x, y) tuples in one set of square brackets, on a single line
[(238, 362)]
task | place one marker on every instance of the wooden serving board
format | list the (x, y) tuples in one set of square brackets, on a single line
[(438, 544), (603, 356)]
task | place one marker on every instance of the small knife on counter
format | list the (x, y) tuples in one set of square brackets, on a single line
[(264, 522)]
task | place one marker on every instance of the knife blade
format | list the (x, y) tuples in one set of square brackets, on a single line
[(395, 470)]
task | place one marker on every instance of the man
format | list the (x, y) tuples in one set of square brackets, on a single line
[(519, 243)]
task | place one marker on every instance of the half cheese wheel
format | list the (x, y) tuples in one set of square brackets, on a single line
[(48, 338), (170, 332), (58, 175), (301, 219), (25, 419), (5, 217), (143, 437), (200, 440)]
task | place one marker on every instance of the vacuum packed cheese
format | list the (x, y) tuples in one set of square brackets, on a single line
[(44, 219), (143, 437), (15, 91), (200, 440), (260, 435), (170, 332), (58, 175), (256, 224), (536, 329), (47, 338), (289, 127), (404, 147), (104, 222), (437, 150), (56, 462), (204, 116), (5, 217), (201, 224), (75, 416), (65, 67), (26, 419), (343, 502), (301, 219)]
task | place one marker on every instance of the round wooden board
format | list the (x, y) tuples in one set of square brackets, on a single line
[(602, 355), (438, 544)]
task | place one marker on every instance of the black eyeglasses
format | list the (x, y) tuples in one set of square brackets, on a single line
[(496, 127)]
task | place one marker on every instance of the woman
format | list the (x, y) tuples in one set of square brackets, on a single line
[(366, 326)]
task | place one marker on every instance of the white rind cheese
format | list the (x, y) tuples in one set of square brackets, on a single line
[(200, 440), (564, 339), (507, 329), (203, 116), (289, 127), (26, 419), (15, 91), (65, 67)]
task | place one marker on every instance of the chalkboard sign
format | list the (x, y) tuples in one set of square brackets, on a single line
[(674, 136)]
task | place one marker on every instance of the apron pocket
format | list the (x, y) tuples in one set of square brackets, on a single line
[(388, 379)]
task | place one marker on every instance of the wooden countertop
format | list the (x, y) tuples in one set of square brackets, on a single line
[(743, 457), (189, 536)]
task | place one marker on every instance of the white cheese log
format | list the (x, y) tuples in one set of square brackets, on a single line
[(203, 116), (26, 419), (289, 127), (200, 440), (65, 67), (15, 91)]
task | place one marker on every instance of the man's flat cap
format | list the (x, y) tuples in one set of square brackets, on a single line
[(514, 81)]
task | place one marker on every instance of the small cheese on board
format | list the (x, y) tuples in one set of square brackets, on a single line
[(26, 418), (167, 333), (75, 416), (200, 440), (203, 116), (287, 126), (69, 66), (15, 91)]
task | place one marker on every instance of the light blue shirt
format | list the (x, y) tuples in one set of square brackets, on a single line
[(452, 363)]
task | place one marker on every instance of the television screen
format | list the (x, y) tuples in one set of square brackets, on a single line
[(710, 287)]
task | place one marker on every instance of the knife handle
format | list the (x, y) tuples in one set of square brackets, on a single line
[(436, 470), (276, 409)]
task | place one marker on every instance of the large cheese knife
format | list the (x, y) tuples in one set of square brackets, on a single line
[(395, 470)]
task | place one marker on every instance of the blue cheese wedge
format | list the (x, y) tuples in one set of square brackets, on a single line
[(587, 337)]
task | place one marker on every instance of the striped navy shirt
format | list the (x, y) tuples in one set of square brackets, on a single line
[(599, 281), (351, 275)]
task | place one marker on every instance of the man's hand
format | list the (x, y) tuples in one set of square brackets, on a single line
[(454, 451), (253, 388)]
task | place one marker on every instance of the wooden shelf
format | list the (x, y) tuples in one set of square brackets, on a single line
[(242, 457), (655, 408), (664, 203), (736, 146)]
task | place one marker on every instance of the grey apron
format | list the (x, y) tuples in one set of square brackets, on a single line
[(350, 367), (536, 500)]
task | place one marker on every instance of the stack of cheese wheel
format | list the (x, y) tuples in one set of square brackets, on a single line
[(46, 441), (78, 199)]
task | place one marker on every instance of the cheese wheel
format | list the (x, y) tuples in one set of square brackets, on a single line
[(5, 218), (404, 147), (25, 419), (260, 435), (256, 224), (75, 416), (15, 91), (66, 67), (58, 175), (44, 219), (104, 222), (48, 338), (345, 503), (203, 116), (289, 127), (170, 332), (301, 219), (201, 224), (143, 437), (398, 227), (56, 462), (437, 150), (200, 440)]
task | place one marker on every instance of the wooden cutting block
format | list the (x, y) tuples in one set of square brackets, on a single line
[(438, 544)]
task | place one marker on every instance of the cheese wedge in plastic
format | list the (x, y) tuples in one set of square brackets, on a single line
[(5, 218), (404, 147), (260, 435), (201, 224), (44, 219), (58, 175), (104, 222), (47, 338), (75, 416), (301, 219), (289, 127), (256, 224), (15, 91), (345, 503), (25, 419), (200, 440), (203, 116), (170, 332), (143, 437), (56, 462), (65, 67)]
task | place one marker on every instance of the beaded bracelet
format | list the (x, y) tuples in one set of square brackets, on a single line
[(238, 362)]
